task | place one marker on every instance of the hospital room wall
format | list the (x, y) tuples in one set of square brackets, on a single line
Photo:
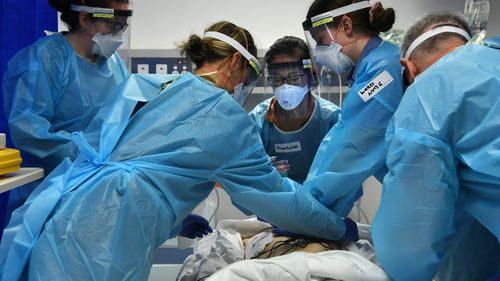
[(159, 24)]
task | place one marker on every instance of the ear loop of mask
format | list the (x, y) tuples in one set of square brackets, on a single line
[(340, 23), (338, 30), (231, 84)]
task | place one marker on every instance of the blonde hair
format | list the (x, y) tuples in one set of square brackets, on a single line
[(209, 50)]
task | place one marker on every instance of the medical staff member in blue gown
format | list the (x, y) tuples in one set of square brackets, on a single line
[(161, 146), (294, 121), (440, 206), (343, 37), (57, 85)]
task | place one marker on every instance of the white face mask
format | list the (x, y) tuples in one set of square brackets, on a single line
[(290, 96), (106, 45), (332, 58)]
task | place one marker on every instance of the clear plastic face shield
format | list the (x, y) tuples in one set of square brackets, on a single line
[(252, 66), (329, 63), (292, 73), (320, 30), (290, 82)]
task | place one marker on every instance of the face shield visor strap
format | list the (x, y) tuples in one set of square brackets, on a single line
[(307, 65), (256, 66), (433, 32)]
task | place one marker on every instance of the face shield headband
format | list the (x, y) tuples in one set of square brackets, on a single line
[(433, 32), (97, 12), (242, 90), (328, 17), (256, 66)]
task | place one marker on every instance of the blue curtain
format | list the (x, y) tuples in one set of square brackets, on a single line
[(22, 22)]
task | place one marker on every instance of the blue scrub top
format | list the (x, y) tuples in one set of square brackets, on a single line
[(300, 146), (354, 149)]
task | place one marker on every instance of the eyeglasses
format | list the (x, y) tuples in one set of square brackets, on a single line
[(114, 25), (296, 80)]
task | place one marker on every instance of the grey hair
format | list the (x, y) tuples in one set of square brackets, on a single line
[(424, 23)]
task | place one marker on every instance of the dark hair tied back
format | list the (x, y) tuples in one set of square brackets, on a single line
[(195, 49), (365, 21), (381, 19)]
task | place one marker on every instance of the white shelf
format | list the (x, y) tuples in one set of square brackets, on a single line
[(25, 175)]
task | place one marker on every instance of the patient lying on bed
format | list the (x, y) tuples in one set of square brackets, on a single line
[(237, 240), (280, 245)]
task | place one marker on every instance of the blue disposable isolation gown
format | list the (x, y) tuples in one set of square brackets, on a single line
[(305, 141), (440, 205), (49, 91), (354, 148), (102, 216)]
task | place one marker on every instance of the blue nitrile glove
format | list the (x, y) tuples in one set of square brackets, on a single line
[(194, 226), (351, 231), (283, 232)]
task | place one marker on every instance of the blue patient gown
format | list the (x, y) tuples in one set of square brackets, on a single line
[(440, 206), (102, 216), (308, 138), (354, 149), (49, 92)]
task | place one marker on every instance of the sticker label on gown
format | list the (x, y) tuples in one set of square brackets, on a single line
[(287, 147), (375, 86)]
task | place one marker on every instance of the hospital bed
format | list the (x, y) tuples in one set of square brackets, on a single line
[(219, 210)]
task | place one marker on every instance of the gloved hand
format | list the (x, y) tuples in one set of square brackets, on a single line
[(351, 232), (194, 226), (283, 232)]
